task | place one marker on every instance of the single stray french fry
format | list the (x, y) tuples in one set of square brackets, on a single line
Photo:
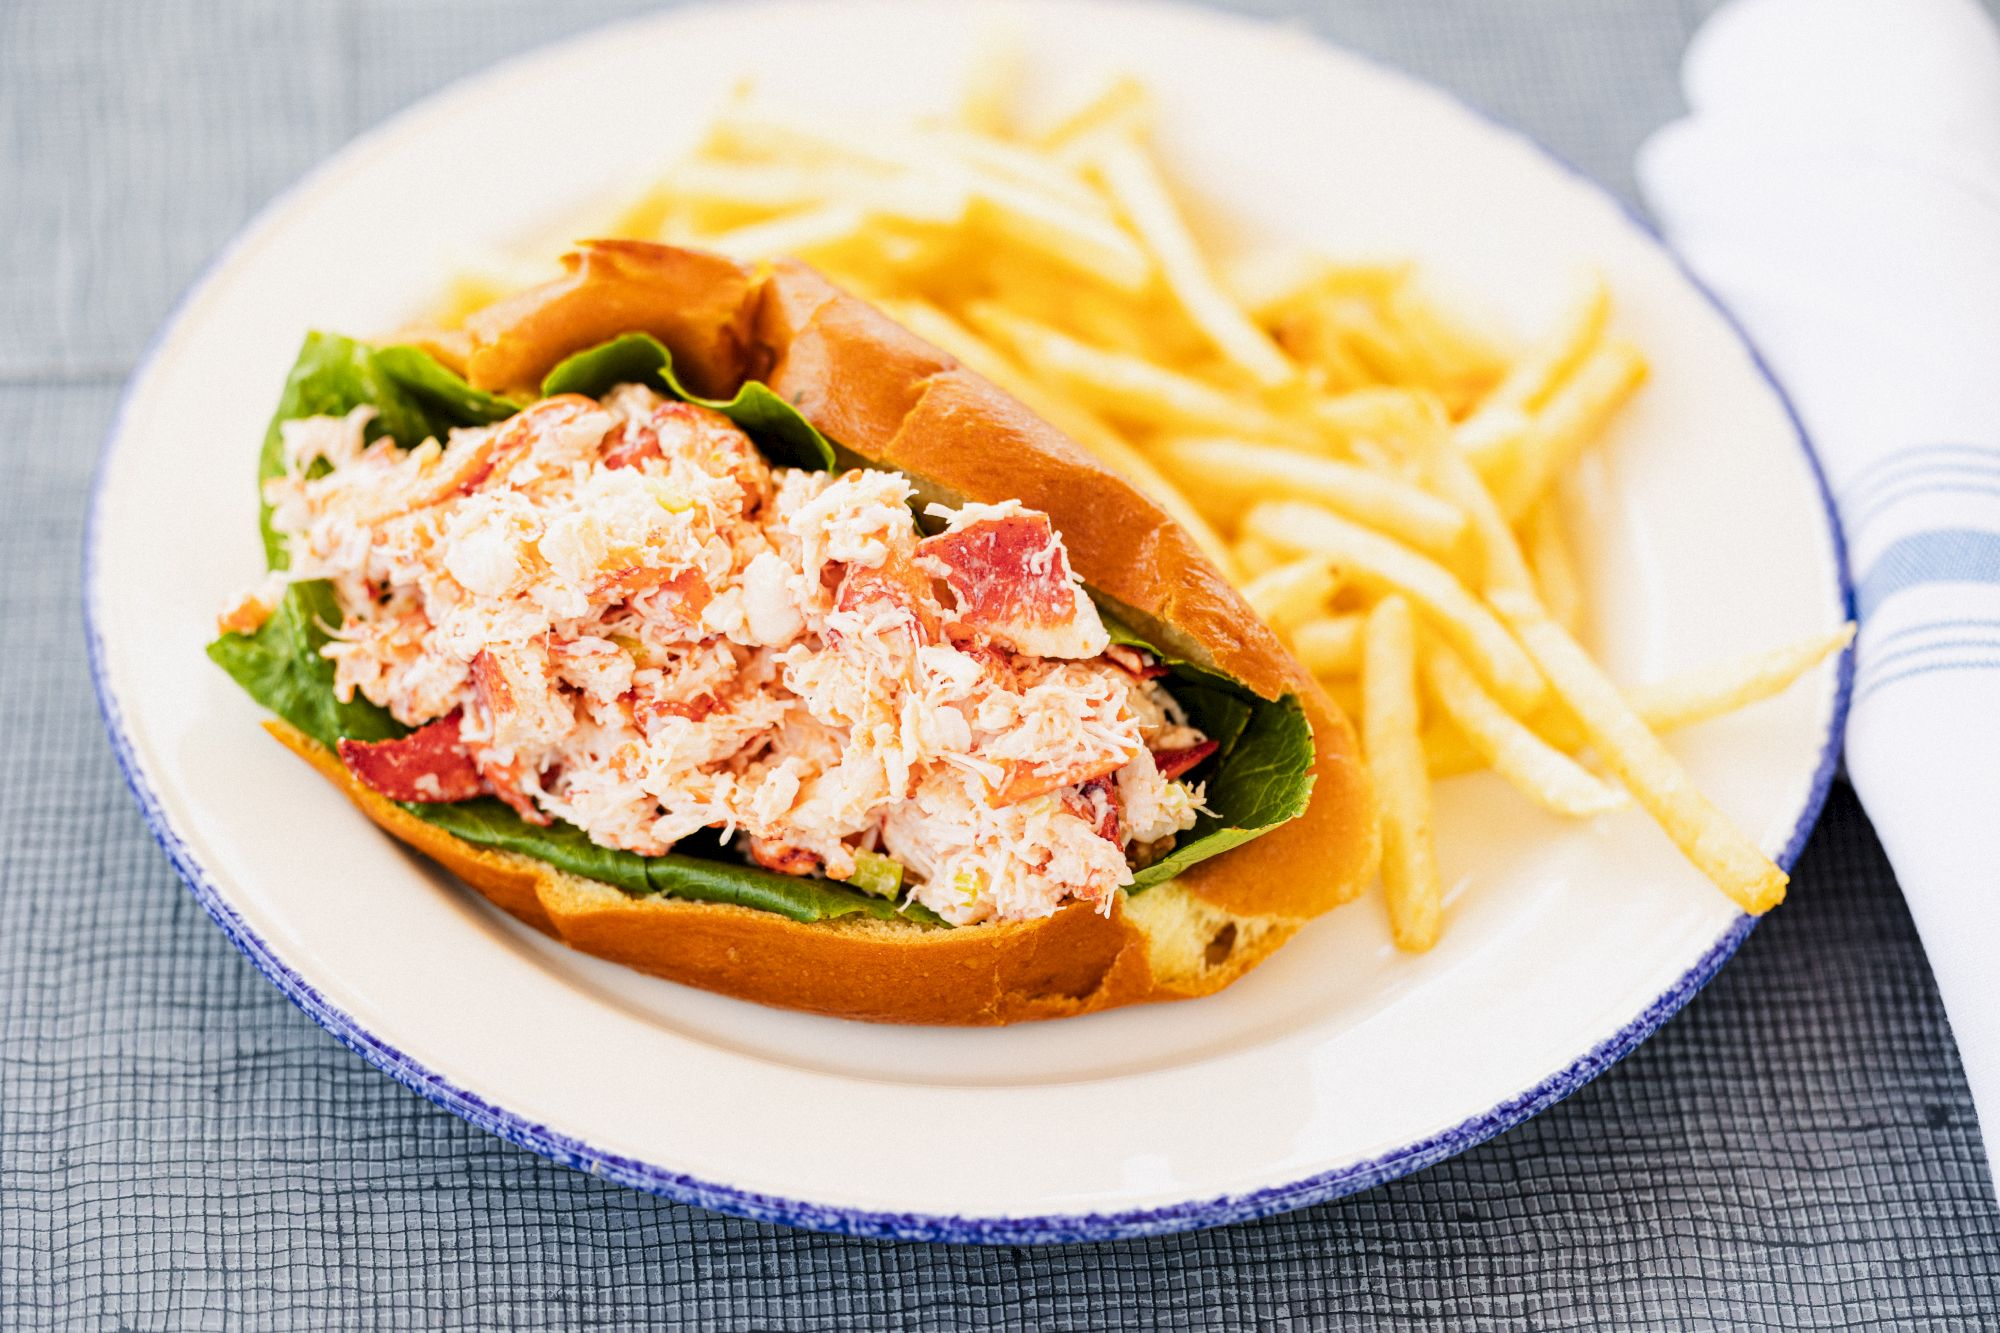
[(1720, 849), (1389, 738), (1371, 558), (1706, 692), (1539, 771), (1680, 700)]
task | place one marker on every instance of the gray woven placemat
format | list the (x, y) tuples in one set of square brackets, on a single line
[(180, 1148)]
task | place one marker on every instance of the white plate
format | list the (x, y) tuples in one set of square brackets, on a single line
[(1339, 1063)]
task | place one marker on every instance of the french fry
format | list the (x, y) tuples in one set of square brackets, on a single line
[(793, 233), (994, 159), (1293, 592), (1497, 431), (1266, 279), (1135, 184), (1720, 849), (1329, 645), (1501, 564), (1121, 107), (1539, 771), (1305, 336), (748, 129), (1681, 700), (486, 279), (1090, 247), (1345, 691), (1389, 738), (1125, 386), (1460, 357), (777, 187), (1552, 564), (1532, 379), (948, 335), (1448, 754), (1070, 226), (1383, 414), (1225, 476), (1709, 692), (1273, 283), (1568, 421), (1492, 438), (1370, 558), (991, 84), (1047, 293), (1378, 344), (1256, 557)]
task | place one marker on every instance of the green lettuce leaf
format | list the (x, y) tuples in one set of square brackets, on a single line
[(785, 436), (1263, 781), (490, 823), (1260, 775), (280, 667), (446, 398)]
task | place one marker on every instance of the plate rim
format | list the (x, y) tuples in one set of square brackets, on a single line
[(1055, 1228)]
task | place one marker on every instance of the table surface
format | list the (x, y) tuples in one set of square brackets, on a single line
[(181, 1148)]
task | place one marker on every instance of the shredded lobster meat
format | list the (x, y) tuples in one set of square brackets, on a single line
[(617, 614), (1011, 579), (1174, 762), (429, 764)]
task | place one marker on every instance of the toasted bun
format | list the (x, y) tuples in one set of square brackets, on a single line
[(894, 401), (1166, 944)]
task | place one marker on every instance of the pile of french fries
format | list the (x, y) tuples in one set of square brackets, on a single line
[(1380, 475)]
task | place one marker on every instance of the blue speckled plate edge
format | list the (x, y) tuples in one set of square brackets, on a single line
[(1053, 1229)]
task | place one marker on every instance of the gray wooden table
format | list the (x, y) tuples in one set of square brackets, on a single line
[(180, 1148)]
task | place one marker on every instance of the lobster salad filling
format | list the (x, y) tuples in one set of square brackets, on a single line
[(616, 613)]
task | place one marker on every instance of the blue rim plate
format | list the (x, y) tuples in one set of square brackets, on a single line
[(184, 803)]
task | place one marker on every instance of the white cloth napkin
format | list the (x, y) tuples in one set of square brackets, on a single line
[(1838, 184)]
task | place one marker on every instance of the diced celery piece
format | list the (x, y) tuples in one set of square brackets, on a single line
[(876, 874)]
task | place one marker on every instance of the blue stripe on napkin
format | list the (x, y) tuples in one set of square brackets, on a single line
[(1949, 555), (1944, 555)]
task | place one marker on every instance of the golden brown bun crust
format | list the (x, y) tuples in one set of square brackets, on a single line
[(697, 304), (1075, 962)]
